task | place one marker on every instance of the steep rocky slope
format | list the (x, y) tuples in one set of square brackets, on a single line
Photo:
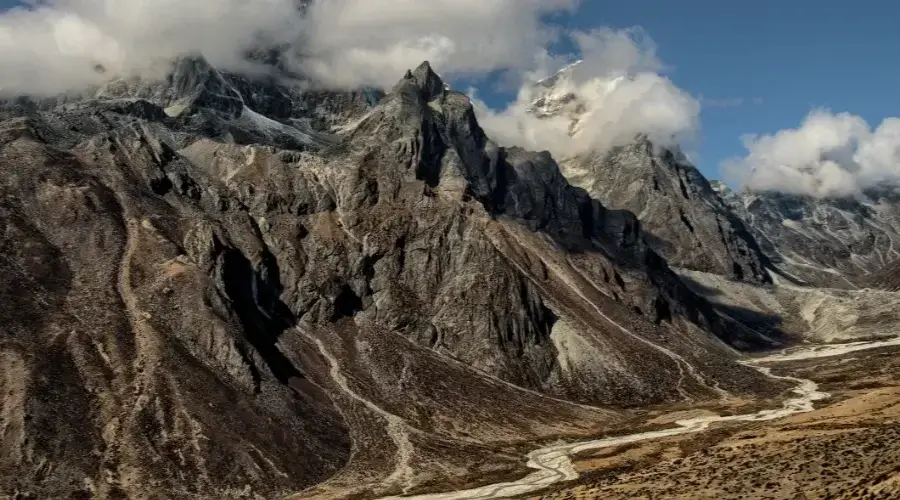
[(838, 243), (728, 246), (218, 287), (887, 278), (682, 217)]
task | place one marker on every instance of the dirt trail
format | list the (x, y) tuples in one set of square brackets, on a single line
[(396, 427)]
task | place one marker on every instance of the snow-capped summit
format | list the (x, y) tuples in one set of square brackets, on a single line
[(562, 95), (687, 222)]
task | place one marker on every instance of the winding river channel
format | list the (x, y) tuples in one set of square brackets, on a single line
[(553, 464)]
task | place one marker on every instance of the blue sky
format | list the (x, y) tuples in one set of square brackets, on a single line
[(793, 54)]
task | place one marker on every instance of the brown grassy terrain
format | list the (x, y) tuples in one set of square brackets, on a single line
[(847, 448)]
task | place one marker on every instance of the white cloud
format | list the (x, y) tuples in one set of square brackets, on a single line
[(829, 155), (55, 45), (618, 93), (374, 42)]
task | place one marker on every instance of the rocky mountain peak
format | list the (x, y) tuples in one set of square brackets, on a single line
[(721, 187), (195, 83), (431, 84), (190, 83), (424, 78), (557, 96), (560, 96), (437, 136), (684, 219)]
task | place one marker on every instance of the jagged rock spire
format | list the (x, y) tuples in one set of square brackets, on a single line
[(192, 82), (431, 84)]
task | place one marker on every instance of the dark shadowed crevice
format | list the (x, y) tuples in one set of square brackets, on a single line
[(497, 202), (431, 152), (346, 304), (686, 222), (619, 280), (588, 219), (368, 270), (543, 318), (161, 185), (401, 253), (662, 310), (684, 190), (738, 271), (263, 317)]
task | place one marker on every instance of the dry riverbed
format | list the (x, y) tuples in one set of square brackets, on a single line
[(849, 447)]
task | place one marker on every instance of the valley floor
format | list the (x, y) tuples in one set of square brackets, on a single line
[(849, 447), (836, 435)]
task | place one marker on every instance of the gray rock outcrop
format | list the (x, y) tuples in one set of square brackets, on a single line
[(838, 243)]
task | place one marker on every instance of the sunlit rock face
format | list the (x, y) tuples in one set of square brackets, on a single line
[(684, 219)]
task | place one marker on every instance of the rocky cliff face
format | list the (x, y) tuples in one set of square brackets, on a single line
[(683, 218), (219, 287), (837, 243)]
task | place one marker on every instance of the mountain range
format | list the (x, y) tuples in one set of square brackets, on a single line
[(220, 286)]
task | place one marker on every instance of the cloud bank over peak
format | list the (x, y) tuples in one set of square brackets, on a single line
[(828, 156), (54, 46), (614, 93), (374, 41), (57, 45)]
